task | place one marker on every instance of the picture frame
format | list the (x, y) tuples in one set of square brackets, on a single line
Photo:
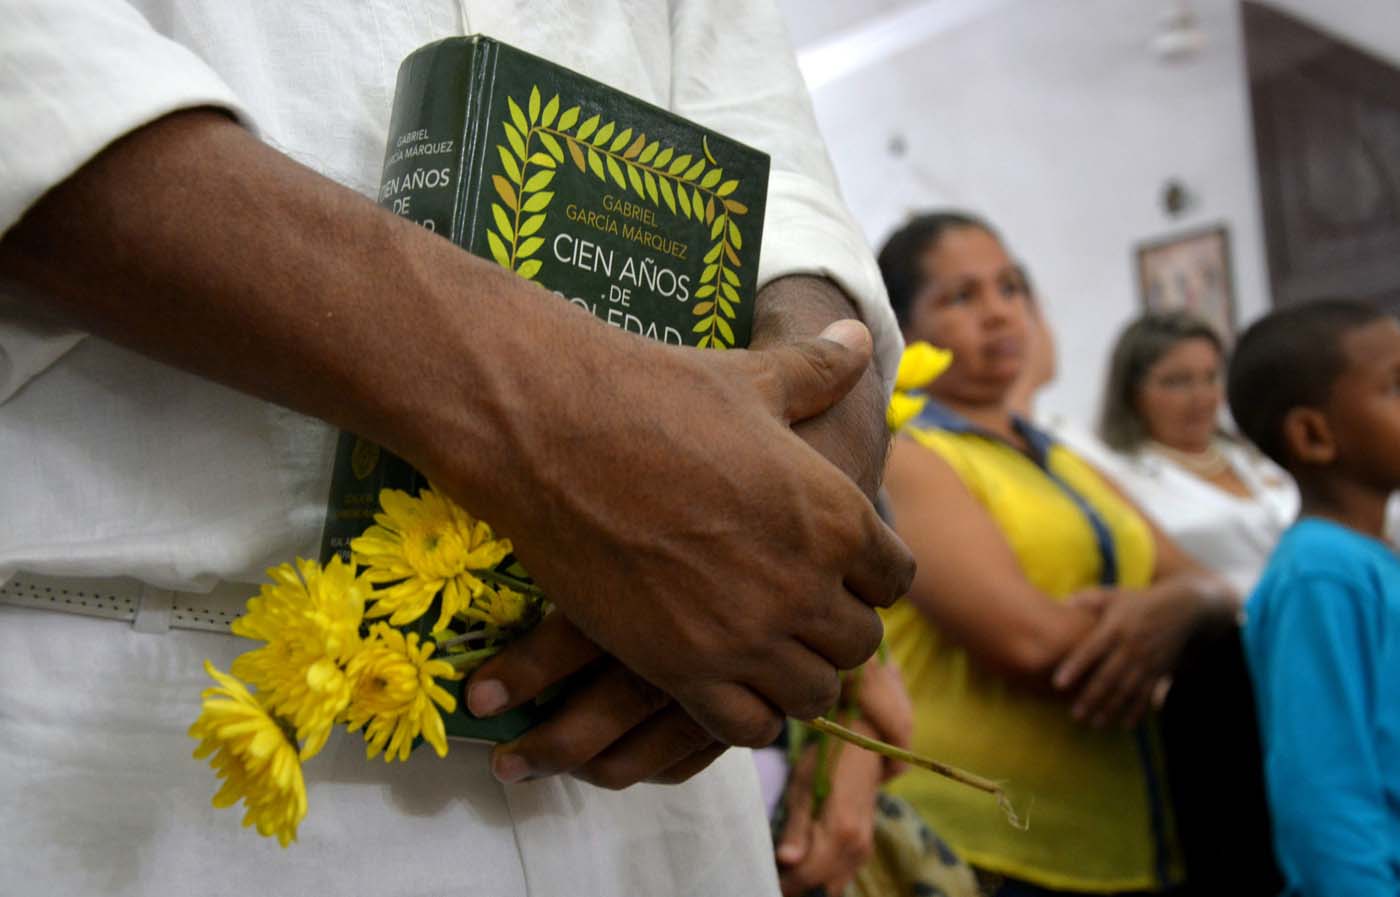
[(1192, 271)]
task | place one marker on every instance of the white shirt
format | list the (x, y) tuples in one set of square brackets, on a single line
[(1230, 534), (116, 465), (124, 466)]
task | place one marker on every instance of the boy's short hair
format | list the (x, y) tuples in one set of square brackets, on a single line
[(1288, 359)]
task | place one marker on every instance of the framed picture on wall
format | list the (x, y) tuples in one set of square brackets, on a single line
[(1191, 271)]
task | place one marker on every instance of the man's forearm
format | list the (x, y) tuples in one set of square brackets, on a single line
[(851, 435), (191, 242)]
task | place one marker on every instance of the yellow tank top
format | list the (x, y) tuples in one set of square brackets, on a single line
[(1096, 798)]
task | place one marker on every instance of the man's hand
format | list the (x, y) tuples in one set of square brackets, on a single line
[(657, 494), (612, 729), (852, 435)]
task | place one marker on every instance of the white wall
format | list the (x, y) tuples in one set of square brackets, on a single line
[(1054, 120)]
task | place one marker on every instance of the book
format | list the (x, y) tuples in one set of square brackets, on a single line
[(649, 221)]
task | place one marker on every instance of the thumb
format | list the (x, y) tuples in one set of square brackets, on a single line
[(810, 376)]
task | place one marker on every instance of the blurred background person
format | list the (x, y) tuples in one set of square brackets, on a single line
[(1047, 611)]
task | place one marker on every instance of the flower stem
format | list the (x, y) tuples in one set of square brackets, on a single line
[(472, 659), (505, 579), (952, 772)]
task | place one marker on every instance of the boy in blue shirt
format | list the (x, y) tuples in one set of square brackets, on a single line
[(1317, 388)]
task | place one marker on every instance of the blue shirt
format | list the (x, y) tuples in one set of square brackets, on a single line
[(1323, 640)]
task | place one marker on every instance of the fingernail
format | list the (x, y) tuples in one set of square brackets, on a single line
[(487, 698), (848, 332), (509, 768)]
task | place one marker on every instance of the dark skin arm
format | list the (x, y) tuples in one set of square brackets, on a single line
[(193, 243)]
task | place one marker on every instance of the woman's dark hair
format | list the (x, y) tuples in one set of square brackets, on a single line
[(901, 256), (1140, 346)]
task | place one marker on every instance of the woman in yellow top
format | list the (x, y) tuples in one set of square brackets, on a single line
[(1047, 611)]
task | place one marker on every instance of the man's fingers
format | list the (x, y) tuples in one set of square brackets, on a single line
[(661, 743), (690, 767), (845, 632), (592, 718), (884, 570), (547, 654), (733, 714), (808, 377)]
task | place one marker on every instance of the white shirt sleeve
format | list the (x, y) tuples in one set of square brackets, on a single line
[(734, 71), (75, 75)]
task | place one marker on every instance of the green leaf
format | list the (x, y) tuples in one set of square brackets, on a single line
[(543, 160), (725, 329), (704, 341), (702, 326), (731, 277), (666, 195), (539, 202), (707, 290), (679, 165), (735, 237), (531, 225), (709, 273), (529, 247), (595, 162), (586, 128), (621, 140), (508, 163), (702, 308), (566, 121), (716, 228), (534, 105), (725, 307), (498, 249), (727, 188), (551, 109), (502, 222), (713, 253), (604, 134), (729, 292), (517, 142), (529, 269), (517, 116), (650, 181), (506, 192), (694, 171), (664, 157), (616, 171), (635, 180), (697, 208), (684, 199), (577, 153), (649, 153), (538, 181), (551, 144), (712, 178)]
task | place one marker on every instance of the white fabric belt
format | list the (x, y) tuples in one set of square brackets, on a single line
[(145, 607)]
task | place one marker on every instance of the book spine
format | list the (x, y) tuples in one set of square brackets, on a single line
[(427, 178)]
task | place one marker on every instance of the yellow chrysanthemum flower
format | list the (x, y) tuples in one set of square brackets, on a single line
[(310, 619), (919, 366), (902, 409), (499, 606), (424, 546), (394, 691), (254, 755)]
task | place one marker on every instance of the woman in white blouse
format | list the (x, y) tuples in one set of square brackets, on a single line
[(1221, 500)]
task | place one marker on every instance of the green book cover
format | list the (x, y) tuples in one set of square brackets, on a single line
[(649, 221)]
